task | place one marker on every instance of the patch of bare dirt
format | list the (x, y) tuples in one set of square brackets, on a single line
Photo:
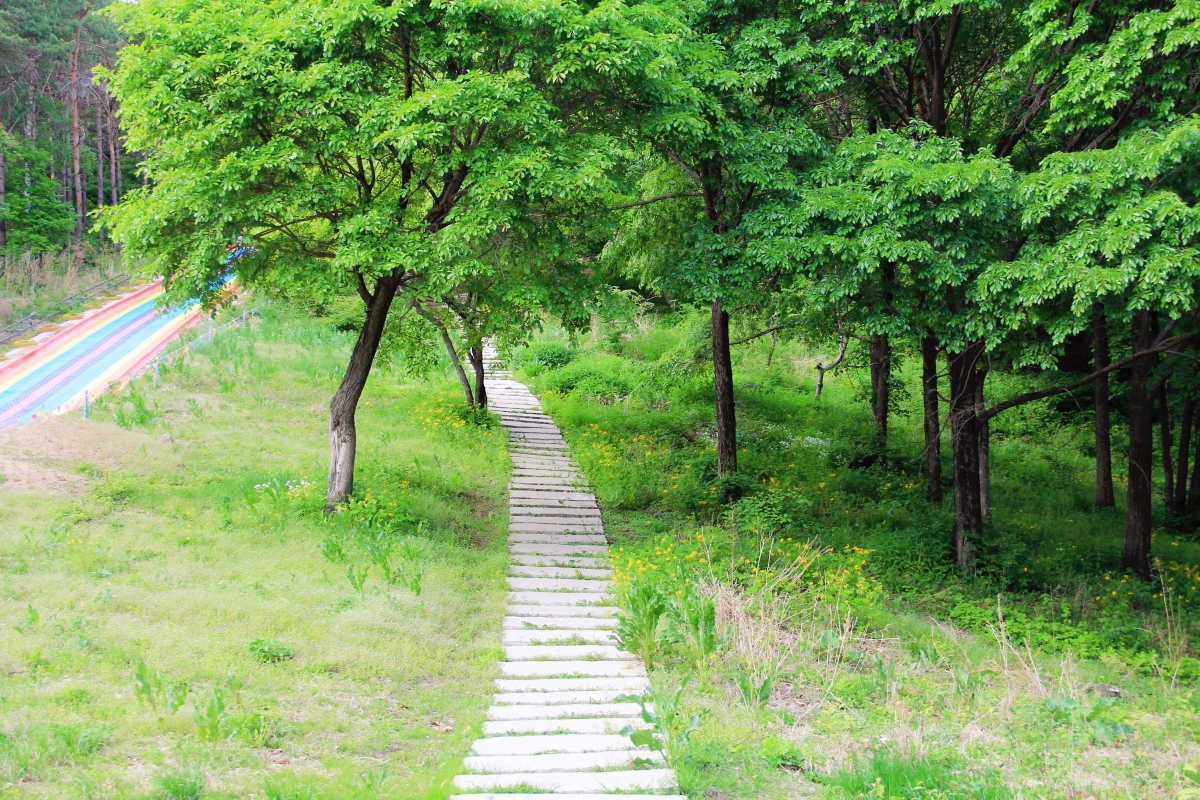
[(20, 475)]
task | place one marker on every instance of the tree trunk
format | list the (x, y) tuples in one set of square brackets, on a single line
[(76, 147), (933, 433), (99, 158), (881, 371), (1181, 464), (985, 442), (475, 355), (114, 163), (458, 367), (1138, 519), (1193, 500), (1104, 480), (723, 382), (1164, 436), (342, 434), (964, 436), (3, 213)]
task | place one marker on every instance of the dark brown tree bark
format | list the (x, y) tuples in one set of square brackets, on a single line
[(3, 213), (99, 157), (933, 432), (1104, 480), (723, 383), (1165, 441), (985, 444), (881, 371), (114, 152), (342, 432), (1138, 519), (76, 147), (458, 367), (475, 356), (964, 437), (1193, 500), (1181, 463)]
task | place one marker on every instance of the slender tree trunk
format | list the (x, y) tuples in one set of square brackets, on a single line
[(774, 339), (723, 382), (1181, 464), (1138, 504), (933, 432), (3, 213), (1193, 500), (99, 159), (30, 129), (964, 436), (1104, 480), (1164, 435), (475, 355), (985, 443), (114, 164), (881, 372), (342, 433), (458, 367), (76, 147)]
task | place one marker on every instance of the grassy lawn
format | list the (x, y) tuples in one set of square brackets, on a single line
[(879, 670), (179, 619)]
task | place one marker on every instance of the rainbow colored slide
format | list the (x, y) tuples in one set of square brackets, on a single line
[(90, 355)]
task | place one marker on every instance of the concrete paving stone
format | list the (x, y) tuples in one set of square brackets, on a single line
[(521, 796), (564, 652), (534, 598), (564, 610), (648, 780), (565, 711), (565, 550), (538, 745), (581, 562), (555, 698), (559, 585), (553, 636), (556, 527), (498, 727), (559, 623), (526, 571), (548, 472), (572, 669), (553, 511), (560, 762), (556, 538), (631, 685), (557, 495), (588, 524)]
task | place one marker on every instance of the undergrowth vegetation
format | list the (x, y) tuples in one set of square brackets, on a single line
[(809, 601), (181, 620)]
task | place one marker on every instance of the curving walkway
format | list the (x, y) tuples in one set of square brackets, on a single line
[(553, 725)]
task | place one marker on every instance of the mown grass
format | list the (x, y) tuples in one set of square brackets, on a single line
[(185, 545), (894, 675)]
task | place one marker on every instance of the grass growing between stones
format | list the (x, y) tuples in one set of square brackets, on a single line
[(830, 648), (173, 624)]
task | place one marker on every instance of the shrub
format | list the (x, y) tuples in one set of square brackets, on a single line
[(270, 651)]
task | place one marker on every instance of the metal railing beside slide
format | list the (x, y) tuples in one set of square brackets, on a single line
[(22, 326)]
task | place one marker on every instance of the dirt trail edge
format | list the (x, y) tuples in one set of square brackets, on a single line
[(553, 727)]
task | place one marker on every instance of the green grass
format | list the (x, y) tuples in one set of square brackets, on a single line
[(189, 538), (892, 676)]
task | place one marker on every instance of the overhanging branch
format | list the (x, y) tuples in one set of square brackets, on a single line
[(1029, 397)]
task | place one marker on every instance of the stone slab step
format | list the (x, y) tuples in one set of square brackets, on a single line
[(572, 669), (555, 510), (564, 652), (647, 780), (527, 571), (558, 623), (558, 550), (560, 762), (507, 727), (534, 598), (555, 527), (547, 494), (588, 523), (576, 611), (565, 711), (525, 537), (581, 562), (630, 685), (522, 796), (558, 636), (555, 698), (559, 585)]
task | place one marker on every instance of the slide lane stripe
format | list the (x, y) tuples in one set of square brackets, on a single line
[(101, 349)]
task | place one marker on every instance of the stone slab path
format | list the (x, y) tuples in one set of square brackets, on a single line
[(554, 724)]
